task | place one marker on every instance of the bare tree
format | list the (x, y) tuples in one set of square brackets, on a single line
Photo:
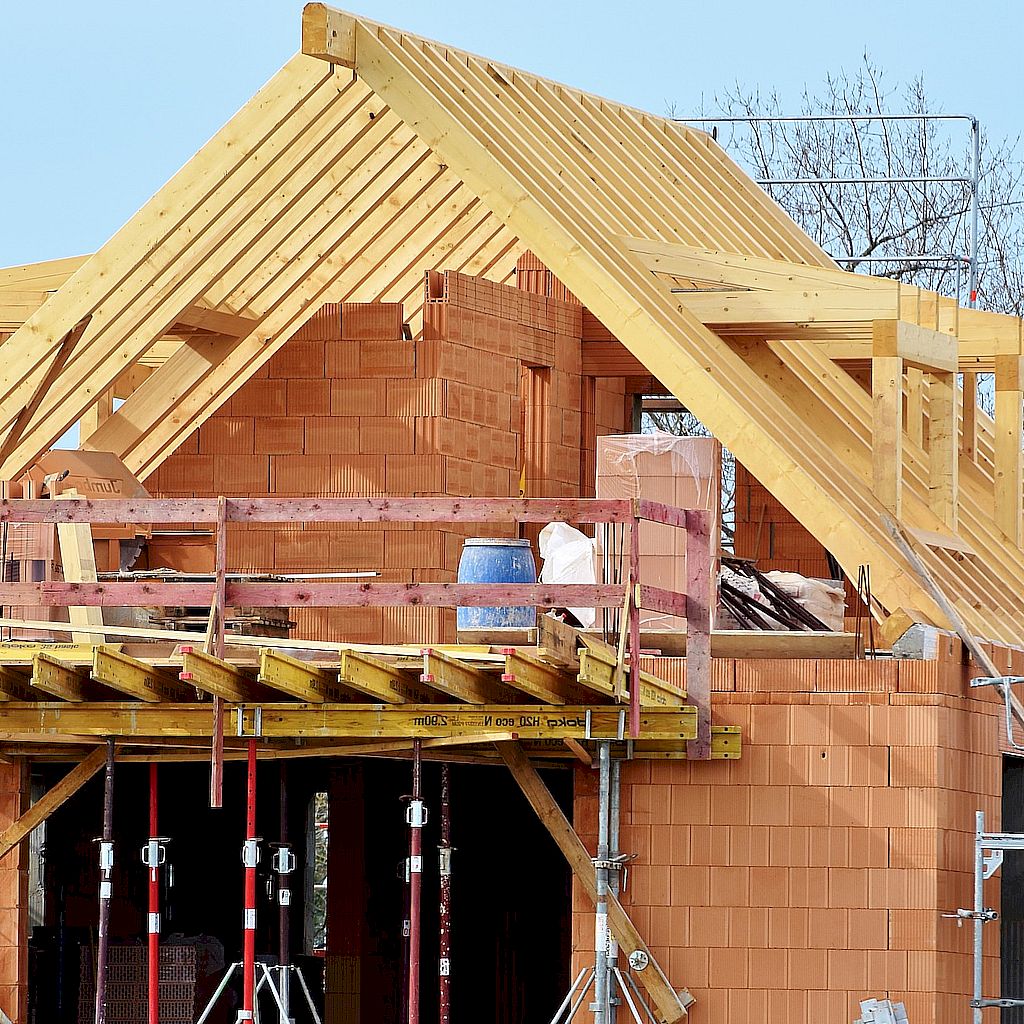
[(887, 219), (880, 219)]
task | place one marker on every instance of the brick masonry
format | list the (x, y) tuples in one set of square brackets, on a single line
[(490, 394), (813, 872)]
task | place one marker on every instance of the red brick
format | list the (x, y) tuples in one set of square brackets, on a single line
[(386, 435), (298, 359), (258, 397), (308, 397), (227, 435), (330, 435), (279, 435)]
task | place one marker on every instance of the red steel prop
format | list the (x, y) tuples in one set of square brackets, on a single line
[(250, 858), (444, 941), (416, 817)]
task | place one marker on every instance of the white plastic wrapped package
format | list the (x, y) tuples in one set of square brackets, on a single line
[(568, 558)]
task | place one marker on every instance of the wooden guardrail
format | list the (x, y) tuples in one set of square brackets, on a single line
[(695, 605)]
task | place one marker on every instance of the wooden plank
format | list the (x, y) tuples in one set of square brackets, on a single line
[(463, 681), (753, 643), (135, 678), (1009, 439), (324, 510), (376, 678), (669, 1005), (327, 721), (79, 563), (51, 800), (887, 420), (299, 679), (318, 594), (941, 541), (216, 677)]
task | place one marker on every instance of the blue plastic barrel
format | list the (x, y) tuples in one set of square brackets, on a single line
[(497, 560)]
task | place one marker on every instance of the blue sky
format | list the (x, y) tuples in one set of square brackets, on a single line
[(101, 102)]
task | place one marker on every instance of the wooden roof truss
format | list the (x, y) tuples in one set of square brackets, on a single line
[(375, 155)]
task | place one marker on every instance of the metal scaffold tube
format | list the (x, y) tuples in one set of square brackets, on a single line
[(283, 864), (106, 887), (614, 886), (600, 1005)]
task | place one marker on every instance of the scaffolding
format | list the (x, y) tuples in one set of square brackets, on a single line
[(971, 181)]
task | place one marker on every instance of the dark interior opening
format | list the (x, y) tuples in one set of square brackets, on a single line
[(1011, 890), (511, 906)]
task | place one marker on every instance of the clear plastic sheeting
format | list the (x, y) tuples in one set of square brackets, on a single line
[(569, 557)]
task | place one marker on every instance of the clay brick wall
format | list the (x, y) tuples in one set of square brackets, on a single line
[(813, 872), (350, 407)]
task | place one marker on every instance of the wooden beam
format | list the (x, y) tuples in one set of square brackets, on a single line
[(887, 419), (755, 643), (51, 800), (328, 721), (463, 681), (58, 679), (46, 381), (14, 685), (78, 560), (969, 428), (329, 35), (1009, 438), (299, 679), (216, 677), (943, 450), (915, 392), (669, 1005), (381, 680), (598, 670), (544, 682), (135, 678), (701, 600), (218, 321)]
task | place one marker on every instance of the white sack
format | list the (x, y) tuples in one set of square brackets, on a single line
[(568, 558)]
